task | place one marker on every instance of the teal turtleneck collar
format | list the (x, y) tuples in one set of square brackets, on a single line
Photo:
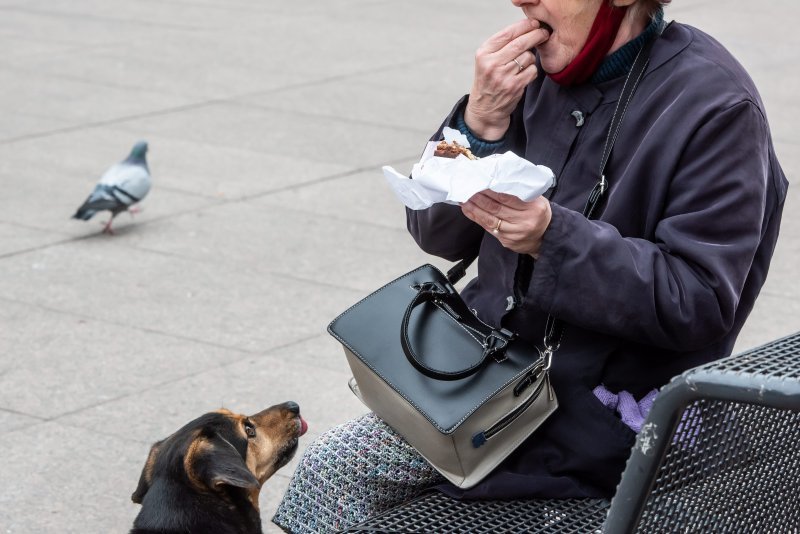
[(621, 61)]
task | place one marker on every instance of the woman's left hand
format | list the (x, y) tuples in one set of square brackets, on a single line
[(518, 225)]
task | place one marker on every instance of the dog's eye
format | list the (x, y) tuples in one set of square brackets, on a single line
[(249, 429)]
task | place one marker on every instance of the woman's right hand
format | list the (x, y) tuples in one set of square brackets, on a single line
[(500, 81)]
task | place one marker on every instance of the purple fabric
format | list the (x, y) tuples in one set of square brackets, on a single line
[(609, 400), (647, 401), (689, 427), (631, 412)]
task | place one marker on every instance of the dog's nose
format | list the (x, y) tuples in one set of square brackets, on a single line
[(292, 407)]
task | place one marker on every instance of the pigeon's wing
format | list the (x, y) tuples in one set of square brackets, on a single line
[(130, 183), (102, 198)]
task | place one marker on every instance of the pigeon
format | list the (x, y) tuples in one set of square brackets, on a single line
[(122, 186)]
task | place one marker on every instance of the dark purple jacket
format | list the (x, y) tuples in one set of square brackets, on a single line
[(665, 277)]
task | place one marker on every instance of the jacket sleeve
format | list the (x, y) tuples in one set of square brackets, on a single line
[(679, 291), (443, 230)]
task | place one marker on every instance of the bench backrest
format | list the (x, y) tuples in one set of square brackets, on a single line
[(720, 450)]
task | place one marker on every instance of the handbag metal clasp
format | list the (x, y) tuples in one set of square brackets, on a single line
[(496, 344), (434, 288), (547, 354)]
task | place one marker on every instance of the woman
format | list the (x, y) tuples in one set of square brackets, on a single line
[(659, 281)]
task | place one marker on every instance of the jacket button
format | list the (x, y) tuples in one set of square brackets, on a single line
[(578, 116)]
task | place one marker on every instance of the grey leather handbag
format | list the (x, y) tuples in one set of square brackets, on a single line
[(462, 393)]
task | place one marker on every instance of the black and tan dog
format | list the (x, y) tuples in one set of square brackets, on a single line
[(206, 477)]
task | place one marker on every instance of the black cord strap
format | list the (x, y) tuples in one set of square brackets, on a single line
[(554, 329)]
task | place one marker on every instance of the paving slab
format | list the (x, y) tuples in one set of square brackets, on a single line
[(446, 76), (77, 101), (39, 199), (15, 238), (23, 21), (311, 137), (362, 197), (773, 317), (10, 421), (216, 304), (247, 386), (54, 363), (319, 35), (67, 480), (409, 109), (322, 250), (146, 66), (229, 172), (73, 161), (16, 125)]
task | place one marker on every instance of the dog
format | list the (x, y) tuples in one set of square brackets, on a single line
[(206, 477)]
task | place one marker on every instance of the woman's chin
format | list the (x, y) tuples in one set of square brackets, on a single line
[(551, 66), (552, 57)]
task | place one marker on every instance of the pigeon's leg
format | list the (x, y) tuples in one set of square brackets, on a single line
[(134, 210), (107, 228)]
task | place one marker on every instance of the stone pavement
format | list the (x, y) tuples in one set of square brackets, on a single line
[(268, 123)]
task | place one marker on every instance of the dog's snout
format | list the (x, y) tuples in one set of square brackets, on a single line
[(292, 407)]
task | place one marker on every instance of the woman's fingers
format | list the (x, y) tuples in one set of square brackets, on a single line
[(513, 40), (522, 62), (504, 66), (502, 199), (487, 211), (518, 225), (479, 215), (499, 40), (487, 204), (500, 204), (522, 43)]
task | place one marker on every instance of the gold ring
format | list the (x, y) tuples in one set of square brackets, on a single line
[(521, 68), (496, 229)]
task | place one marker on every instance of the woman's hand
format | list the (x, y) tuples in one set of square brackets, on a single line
[(504, 66), (518, 225)]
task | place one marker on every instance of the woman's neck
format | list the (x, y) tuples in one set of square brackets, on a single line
[(619, 63), (634, 23)]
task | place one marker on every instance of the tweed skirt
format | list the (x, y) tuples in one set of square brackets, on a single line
[(351, 473)]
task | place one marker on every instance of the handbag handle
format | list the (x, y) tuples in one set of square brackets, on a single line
[(493, 342)]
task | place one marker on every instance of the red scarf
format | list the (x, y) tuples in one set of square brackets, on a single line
[(601, 37)]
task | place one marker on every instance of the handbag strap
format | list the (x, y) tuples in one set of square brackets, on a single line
[(458, 270), (554, 328), (444, 296)]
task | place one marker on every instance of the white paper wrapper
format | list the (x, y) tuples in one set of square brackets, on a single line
[(454, 181)]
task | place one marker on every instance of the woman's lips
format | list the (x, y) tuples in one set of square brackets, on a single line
[(545, 26)]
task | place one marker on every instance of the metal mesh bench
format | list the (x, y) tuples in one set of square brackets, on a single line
[(719, 452)]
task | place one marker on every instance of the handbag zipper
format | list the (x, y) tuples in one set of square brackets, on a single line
[(481, 437)]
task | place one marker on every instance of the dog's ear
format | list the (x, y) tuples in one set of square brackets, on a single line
[(146, 478), (219, 464)]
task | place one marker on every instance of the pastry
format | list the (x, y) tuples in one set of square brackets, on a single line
[(452, 150)]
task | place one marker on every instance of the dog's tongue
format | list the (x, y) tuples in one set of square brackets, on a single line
[(303, 426)]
